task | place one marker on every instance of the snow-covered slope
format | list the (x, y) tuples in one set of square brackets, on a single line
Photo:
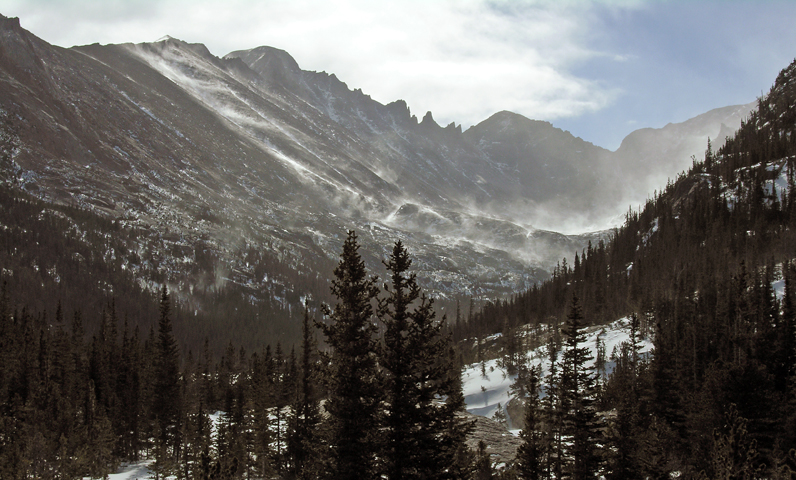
[(483, 393)]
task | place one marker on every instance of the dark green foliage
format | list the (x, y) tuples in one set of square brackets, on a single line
[(734, 456), (167, 407), (354, 382), (403, 398), (531, 454), (61, 253), (424, 437), (626, 392), (578, 393), (304, 441), (483, 463), (262, 382)]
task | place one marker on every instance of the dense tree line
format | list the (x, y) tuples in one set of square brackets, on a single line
[(71, 408), (58, 253)]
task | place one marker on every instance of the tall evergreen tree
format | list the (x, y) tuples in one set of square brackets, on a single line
[(282, 398), (553, 413), (402, 395), (167, 398), (531, 454), (623, 434), (421, 431), (578, 390), (786, 366), (354, 382), (484, 469)]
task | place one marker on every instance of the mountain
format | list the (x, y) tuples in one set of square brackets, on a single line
[(658, 153), (131, 167), (249, 151)]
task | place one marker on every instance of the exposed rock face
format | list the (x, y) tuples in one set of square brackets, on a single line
[(501, 444), (515, 413)]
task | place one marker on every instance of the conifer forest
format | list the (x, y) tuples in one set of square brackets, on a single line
[(367, 384)]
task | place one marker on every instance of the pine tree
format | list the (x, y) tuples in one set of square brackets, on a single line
[(578, 390), (167, 398), (420, 429), (483, 463), (263, 392), (304, 436), (554, 413), (354, 382), (402, 396), (786, 332), (531, 454), (499, 415), (196, 430), (282, 399), (623, 434), (96, 454), (734, 455), (458, 458)]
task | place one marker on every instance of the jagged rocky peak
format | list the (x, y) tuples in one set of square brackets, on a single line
[(10, 27), (454, 128), (399, 111), (507, 124), (428, 121), (510, 126)]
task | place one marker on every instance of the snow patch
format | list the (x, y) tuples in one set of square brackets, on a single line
[(483, 393)]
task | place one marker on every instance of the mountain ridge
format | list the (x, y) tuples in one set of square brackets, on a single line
[(227, 153)]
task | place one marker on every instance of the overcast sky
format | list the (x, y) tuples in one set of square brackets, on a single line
[(597, 69)]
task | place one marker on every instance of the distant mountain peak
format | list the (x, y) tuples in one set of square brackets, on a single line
[(267, 59), (272, 64)]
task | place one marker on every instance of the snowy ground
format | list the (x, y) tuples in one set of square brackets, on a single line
[(483, 393), (140, 470), (134, 471), (779, 289)]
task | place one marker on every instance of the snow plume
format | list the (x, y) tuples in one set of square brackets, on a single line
[(484, 233)]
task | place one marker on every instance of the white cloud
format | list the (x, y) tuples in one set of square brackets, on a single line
[(463, 60)]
